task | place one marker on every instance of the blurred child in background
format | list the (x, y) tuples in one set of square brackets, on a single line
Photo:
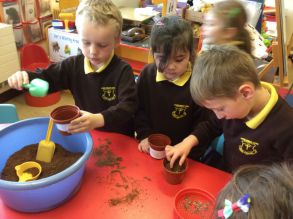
[(225, 24)]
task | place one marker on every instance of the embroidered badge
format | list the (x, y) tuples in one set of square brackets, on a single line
[(108, 93), (248, 147), (179, 111)]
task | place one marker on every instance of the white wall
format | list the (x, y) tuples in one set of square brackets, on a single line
[(288, 5)]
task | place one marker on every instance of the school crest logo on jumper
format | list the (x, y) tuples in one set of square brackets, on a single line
[(179, 111), (248, 147), (108, 93)]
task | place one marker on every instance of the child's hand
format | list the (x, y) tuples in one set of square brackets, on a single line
[(87, 121), (180, 150), (144, 146), (18, 79), (176, 152)]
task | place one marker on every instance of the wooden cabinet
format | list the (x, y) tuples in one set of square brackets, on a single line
[(136, 56)]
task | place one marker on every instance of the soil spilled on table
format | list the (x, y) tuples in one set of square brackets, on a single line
[(61, 160), (127, 189), (105, 155)]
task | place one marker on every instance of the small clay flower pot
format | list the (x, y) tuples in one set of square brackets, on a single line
[(158, 142), (175, 174), (63, 115)]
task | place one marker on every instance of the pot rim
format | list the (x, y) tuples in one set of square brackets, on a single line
[(161, 136), (172, 172), (72, 108)]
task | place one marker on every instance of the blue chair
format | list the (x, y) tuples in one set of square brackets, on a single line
[(8, 113), (218, 144), (289, 96), (213, 154)]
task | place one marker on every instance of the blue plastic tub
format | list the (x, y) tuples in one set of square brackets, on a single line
[(47, 193)]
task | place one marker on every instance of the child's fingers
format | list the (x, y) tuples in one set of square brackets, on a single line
[(182, 159), (142, 147), (21, 78), (173, 159), (139, 147), (78, 120), (13, 83), (18, 79), (146, 149), (24, 77), (169, 153), (77, 129)]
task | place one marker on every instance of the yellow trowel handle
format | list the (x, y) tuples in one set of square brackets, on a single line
[(49, 131)]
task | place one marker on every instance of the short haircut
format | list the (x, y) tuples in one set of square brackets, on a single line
[(172, 34), (220, 71), (102, 12), (270, 188)]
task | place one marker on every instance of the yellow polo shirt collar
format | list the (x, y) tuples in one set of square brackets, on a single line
[(179, 81), (260, 117), (88, 67)]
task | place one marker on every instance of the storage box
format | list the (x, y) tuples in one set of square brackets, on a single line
[(9, 60), (62, 44)]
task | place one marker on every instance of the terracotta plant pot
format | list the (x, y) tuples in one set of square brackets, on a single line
[(158, 143), (176, 174), (194, 203), (63, 115)]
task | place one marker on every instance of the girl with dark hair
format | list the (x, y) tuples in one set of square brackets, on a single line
[(165, 103)]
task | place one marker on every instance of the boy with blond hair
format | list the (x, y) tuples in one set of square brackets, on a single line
[(256, 122), (102, 84)]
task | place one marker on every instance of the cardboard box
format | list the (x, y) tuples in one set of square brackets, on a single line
[(62, 44)]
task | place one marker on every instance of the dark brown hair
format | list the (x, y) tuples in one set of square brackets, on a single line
[(171, 34), (270, 189)]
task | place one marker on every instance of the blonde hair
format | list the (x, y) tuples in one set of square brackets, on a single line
[(270, 188), (220, 71), (232, 13), (102, 12)]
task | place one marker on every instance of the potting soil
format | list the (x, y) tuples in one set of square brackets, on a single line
[(61, 160)]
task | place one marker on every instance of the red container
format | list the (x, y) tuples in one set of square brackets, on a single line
[(175, 174), (48, 100), (194, 203), (63, 115), (158, 142)]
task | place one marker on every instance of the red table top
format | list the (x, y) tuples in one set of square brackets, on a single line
[(140, 173)]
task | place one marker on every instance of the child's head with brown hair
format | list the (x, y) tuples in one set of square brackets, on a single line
[(222, 78), (99, 26), (270, 189), (225, 23), (172, 42)]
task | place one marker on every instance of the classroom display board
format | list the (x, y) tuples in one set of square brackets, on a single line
[(29, 19)]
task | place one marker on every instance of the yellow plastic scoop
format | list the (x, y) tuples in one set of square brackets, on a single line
[(28, 171), (46, 147)]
